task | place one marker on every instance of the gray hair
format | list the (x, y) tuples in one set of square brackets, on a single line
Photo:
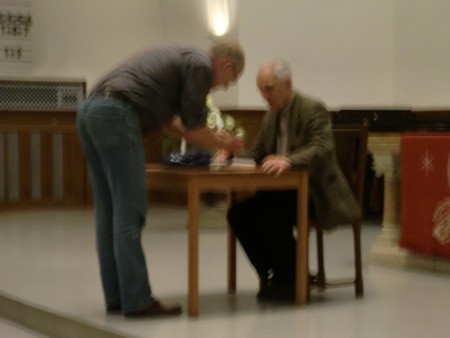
[(281, 69), (231, 50)]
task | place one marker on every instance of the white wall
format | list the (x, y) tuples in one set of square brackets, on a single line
[(353, 52), (85, 38), (422, 53), (185, 23), (346, 52), (340, 50)]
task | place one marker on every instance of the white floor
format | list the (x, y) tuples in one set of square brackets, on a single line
[(9, 329), (48, 263)]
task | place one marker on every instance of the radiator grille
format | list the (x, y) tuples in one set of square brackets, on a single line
[(40, 95)]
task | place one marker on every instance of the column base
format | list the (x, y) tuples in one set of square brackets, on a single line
[(387, 252)]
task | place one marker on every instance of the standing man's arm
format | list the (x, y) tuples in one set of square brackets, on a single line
[(203, 136)]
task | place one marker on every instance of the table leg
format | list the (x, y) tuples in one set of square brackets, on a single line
[(193, 275), (301, 285)]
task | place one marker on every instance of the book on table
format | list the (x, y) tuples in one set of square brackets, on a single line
[(236, 163)]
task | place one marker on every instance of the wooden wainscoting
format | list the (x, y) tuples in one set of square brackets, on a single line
[(41, 163)]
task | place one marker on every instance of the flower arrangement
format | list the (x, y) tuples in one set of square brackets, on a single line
[(216, 121)]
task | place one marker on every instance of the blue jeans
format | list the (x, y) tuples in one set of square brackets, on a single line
[(112, 142)]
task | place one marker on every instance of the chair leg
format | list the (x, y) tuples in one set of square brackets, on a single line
[(231, 261), (359, 288), (231, 250), (321, 281)]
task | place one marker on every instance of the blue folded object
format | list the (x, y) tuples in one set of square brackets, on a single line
[(189, 159)]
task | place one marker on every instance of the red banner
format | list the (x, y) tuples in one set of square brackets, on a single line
[(425, 192)]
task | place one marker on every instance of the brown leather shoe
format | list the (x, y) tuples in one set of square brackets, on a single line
[(157, 310)]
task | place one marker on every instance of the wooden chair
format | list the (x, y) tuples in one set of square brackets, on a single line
[(351, 151)]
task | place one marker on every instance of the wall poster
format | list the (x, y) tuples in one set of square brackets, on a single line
[(16, 21)]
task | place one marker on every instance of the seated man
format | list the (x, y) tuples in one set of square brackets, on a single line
[(295, 131)]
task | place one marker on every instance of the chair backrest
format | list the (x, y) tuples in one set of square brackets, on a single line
[(351, 152)]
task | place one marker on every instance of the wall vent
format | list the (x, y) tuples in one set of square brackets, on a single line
[(25, 95)]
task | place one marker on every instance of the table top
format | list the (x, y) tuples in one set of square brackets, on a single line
[(191, 170), (223, 179)]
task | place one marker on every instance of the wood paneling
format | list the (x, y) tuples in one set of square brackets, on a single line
[(45, 125), (76, 187)]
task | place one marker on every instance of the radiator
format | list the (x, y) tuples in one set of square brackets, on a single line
[(40, 95)]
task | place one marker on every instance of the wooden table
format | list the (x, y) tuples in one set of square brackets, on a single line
[(195, 181)]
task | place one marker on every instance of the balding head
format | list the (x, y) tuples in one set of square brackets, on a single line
[(279, 68), (274, 81), (228, 62), (229, 49)]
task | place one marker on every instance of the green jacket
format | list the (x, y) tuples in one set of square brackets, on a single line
[(310, 143)]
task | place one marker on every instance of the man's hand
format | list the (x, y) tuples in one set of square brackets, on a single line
[(221, 156), (208, 139), (275, 165), (232, 145)]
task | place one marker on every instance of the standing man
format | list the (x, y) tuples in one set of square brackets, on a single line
[(295, 131), (159, 88)]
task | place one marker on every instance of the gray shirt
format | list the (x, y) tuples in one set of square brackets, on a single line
[(164, 82)]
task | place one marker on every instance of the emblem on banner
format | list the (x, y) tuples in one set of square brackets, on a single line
[(441, 216), (441, 220)]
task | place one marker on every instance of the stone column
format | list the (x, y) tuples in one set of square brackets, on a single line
[(385, 149)]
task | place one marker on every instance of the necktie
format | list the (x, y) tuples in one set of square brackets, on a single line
[(282, 135)]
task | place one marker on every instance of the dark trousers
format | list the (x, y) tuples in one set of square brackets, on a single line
[(264, 225)]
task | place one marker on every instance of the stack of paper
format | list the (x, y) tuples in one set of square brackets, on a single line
[(236, 163)]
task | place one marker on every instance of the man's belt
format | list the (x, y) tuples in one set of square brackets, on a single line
[(107, 94)]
